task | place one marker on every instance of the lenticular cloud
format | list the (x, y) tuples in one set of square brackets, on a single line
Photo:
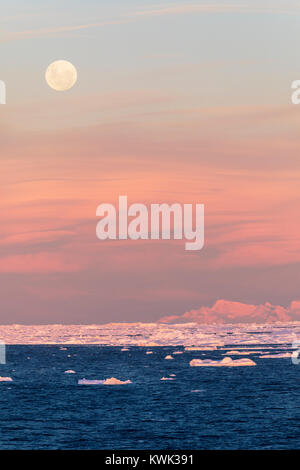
[(225, 311)]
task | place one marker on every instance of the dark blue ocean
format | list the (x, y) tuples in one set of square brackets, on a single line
[(233, 408)]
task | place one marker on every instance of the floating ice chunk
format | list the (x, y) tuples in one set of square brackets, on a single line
[(111, 381), (200, 348), (172, 375), (149, 352), (167, 378), (241, 353), (240, 362), (226, 362), (114, 381), (63, 349), (6, 379), (125, 349), (276, 356), (169, 357), (70, 371), (178, 352), (234, 352), (90, 382)]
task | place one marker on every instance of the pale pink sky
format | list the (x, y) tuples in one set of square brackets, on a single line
[(160, 120)]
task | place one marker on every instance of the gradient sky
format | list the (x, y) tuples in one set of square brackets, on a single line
[(176, 102)]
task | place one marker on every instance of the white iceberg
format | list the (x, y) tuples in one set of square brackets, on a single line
[(167, 378), (149, 352), (169, 357), (226, 362), (6, 379), (70, 371), (114, 381), (177, 352)]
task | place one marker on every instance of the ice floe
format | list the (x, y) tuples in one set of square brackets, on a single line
[(110, 381), (6, 379), (167, 378), (149, 352), (241, 353), (169, 357), (70, 371), (90, 382), (226, 362), (114, 381), (276, 356)]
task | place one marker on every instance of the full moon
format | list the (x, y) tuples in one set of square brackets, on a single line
[(61, 75)]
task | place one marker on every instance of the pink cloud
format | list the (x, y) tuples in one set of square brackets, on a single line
[(253, 6), (37, 33), (38, 263), (33, 237)]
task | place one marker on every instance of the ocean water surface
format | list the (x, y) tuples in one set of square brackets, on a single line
[(201, 408)]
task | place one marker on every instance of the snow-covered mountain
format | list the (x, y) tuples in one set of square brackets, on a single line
[(225, 311)]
